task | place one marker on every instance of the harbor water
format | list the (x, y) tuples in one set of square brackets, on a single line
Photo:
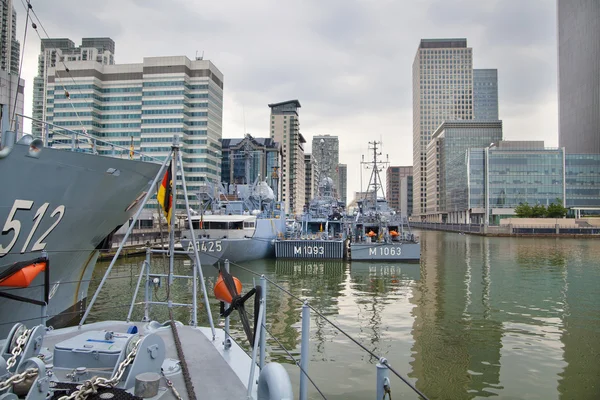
[(510, 318)]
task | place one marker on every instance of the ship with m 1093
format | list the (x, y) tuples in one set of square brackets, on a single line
[(57, 209)]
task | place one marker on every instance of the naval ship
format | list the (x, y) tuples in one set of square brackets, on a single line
[(61, 205)]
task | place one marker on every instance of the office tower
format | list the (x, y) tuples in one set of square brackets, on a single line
[(393, 177), (442, 91), (447, 182), (485, 94), (248, 159), (311, 178), (10, 85), (60, 52), (284, 126), (579, 76), (343, 183), (406, 195), (10, 48), (143, 104), (326, 151)]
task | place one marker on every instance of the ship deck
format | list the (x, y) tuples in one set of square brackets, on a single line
[(215, 373)]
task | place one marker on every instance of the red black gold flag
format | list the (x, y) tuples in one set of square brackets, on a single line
[(165, 195)]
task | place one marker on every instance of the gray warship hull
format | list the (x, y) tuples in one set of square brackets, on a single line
[(261, 245), (385, 251), (64, 203)]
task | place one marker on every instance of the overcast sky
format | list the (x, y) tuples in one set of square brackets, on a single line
[(348, 62)]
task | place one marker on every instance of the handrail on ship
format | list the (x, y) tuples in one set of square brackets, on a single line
[(88, 136), (383, 362)]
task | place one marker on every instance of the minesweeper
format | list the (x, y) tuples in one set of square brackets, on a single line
[(58, 205)]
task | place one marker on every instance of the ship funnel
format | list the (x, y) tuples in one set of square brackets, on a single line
[(8, 141)]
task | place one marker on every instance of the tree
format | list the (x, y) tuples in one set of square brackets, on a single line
[(556, 209), (523, 210), (538, 211)]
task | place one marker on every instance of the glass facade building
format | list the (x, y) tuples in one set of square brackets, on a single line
[(393, 189), (142, 106), (485, 94), (511, 174), (447, 196), (442, 86), (245, 160)]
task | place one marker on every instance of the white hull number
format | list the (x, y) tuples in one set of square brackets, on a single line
[(13, 225)]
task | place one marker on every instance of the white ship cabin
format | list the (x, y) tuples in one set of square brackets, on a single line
[(224, 226)]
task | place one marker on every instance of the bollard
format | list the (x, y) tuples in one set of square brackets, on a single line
[(383, 380), (304, 351)]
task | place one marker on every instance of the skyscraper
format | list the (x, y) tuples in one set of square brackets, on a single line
[(284, 126), (485, 94), (61, 52), (326, 151), (10, 85), (311, 178), (442, 91), (142, 104), (393, 190), (579, 76), (10, 48), (343, 183)]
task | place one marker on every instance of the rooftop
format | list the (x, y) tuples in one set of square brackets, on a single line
[(443, 43), (283, 103)]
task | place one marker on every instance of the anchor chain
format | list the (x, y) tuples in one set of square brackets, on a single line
[(18, 378), (18, 349), (91, 386)]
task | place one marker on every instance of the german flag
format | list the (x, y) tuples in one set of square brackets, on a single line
[(165, 195)]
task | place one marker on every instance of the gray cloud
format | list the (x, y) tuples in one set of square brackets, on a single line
[(348, 62)]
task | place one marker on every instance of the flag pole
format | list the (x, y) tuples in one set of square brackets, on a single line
[(124, 240)]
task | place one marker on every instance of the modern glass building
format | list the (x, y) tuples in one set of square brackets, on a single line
[(142, 105), (447, 196), (393, 190), (511, 173), (248, 159), (442, 91), (485, 94)]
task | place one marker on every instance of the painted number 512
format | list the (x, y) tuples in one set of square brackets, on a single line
[(13, 224)]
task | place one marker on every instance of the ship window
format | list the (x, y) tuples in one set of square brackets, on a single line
[(236, 225), (248, 224)]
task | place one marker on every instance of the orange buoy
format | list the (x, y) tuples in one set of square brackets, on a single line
[(221, 292), (23, 277), (393, 233)]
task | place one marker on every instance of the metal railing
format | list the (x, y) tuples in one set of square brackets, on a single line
[(74, 136), (383, 367)]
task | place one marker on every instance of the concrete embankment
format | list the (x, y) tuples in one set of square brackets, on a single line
[(543, 227)]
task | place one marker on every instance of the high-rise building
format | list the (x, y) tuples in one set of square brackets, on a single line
[(406, 189), (442, 91), (60, 52), (485, 94), (393, 177), (10, 85), (447, 182), (284, 126), (10, 48), (343, 183), (326, 151), (311, 178), (248, 159), (142, 105), (579, 76)]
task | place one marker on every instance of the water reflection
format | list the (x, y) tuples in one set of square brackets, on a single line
[(479, 317)]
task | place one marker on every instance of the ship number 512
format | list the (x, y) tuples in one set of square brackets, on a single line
[(13, 224)]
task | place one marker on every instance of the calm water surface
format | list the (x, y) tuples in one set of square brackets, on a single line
[(479, 317)]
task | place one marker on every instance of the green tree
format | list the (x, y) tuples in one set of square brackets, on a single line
[(523, 210), (538, 211), (556, 209)]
